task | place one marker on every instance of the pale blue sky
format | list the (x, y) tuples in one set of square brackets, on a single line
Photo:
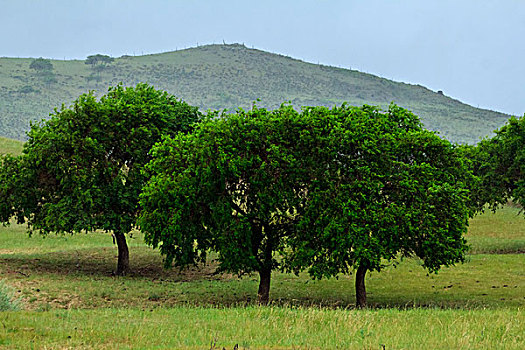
[(473, 50)]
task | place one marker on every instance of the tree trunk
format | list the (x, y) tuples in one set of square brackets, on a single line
[(123, 254), (360, 289), (263, 295)]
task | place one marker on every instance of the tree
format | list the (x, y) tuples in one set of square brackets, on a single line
[(387, 189), (324, 190), (10, 184), (98, 59), (235, 185), (41, 65), (81, 170), (500, 163), (44, 69)]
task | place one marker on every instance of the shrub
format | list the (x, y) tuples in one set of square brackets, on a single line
[(7, 299)]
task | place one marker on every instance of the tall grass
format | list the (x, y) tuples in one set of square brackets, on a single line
[(264, 328)]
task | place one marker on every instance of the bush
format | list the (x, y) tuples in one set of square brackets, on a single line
[(26, 89), (7, 299)]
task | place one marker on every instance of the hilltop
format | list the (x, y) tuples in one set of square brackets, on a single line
[(227, 77)]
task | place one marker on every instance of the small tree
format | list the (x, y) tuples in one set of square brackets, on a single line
[(235, 185), (44, 69), (388, 188), (97, 59), (41, 65), (500, 163), (82, 169)]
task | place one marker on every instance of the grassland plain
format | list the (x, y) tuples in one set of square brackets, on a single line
[(70, 299), (230, 76)]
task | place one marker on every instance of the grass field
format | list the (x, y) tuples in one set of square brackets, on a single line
[(263, 328), (70, 299)]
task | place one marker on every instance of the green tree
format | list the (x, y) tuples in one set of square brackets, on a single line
[(324, 190), (11, 183), (44, 69), (235, 185), (41, 65), (81, 170), (97, 59), (386, 188), (500, 163)]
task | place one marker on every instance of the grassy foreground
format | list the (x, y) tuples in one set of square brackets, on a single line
[(70, 299), (263, 328)]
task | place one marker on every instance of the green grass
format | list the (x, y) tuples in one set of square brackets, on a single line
[(263, 328), (71, 299), (76, 272), (232, 76), (500, 232)]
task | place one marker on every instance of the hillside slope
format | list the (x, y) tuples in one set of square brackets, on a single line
[(227, 77), (9, 146)]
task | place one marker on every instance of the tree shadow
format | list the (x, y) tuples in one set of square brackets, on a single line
[(146, 265), (102, 262)]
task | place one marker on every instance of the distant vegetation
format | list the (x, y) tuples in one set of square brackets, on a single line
[(226, 76), (44, 72), (98, 59)]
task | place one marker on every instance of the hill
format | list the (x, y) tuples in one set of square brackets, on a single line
[(9, 146), (227, 77)]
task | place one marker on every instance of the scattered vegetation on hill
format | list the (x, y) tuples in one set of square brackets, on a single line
[(229, 76)]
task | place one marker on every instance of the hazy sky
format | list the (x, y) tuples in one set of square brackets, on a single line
[(473, 50)]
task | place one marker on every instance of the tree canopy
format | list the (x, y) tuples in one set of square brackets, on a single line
[(98, 59), (235, 185), (326, 190), (500, 163), (81, 170), (44, 69), (41, 64), (388, 188)]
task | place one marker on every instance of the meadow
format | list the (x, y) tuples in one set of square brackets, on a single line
[(69, 298)]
